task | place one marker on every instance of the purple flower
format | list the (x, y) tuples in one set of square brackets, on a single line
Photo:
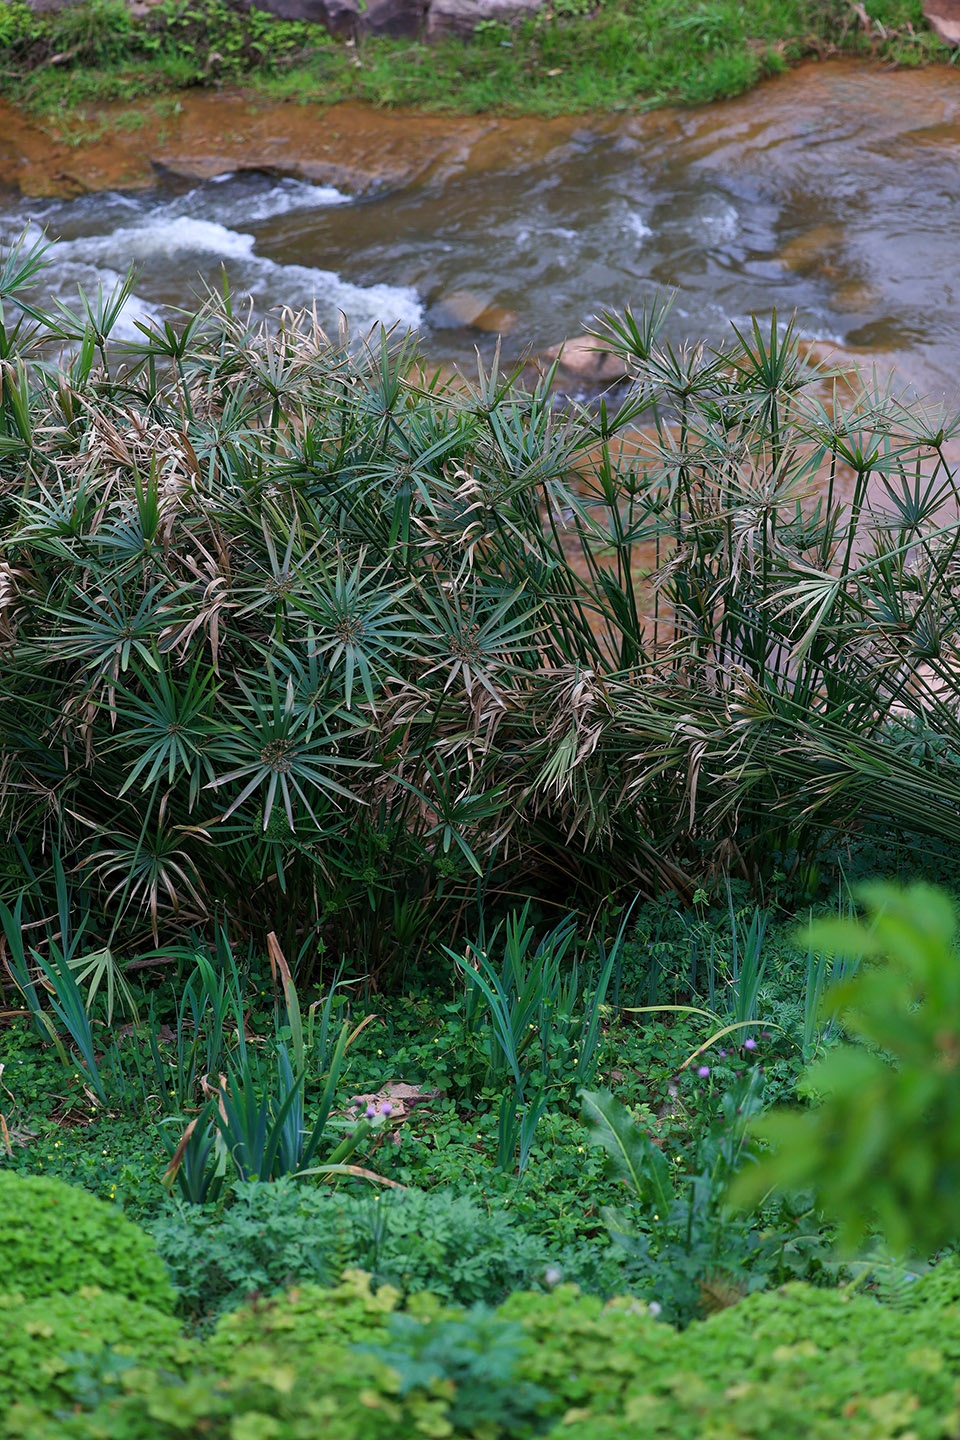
[(723, 1054), (386, 1108), (750, 1044), (371, 1111), (704, 1071)]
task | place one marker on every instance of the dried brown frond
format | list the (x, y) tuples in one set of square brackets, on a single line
[(719, 1292)]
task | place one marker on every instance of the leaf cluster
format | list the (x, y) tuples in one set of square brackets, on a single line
[(72, 1240), (879, 1142), (685, 1251), (273, 1236)]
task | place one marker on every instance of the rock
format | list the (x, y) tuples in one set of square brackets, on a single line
[(459, 307), (585, 358), (461, 17), (400, 18), (943, 17), (495, 320), (473, 309), (396, 18), (398, 1095)]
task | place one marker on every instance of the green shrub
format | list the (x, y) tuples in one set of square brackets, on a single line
[(584, 1353), (20, 26), (477, 1356), (352, 1312), (284, 1233), (210, 38), (801, 1363), (939, 1288), (57, 1238), (445, 1243), (270, 1370), (45, 1341), (686, 1242), (338, 1362), (798, 1362)]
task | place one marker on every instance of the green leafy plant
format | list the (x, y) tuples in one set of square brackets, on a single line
[(686, 1249), (879, 1141), (255, 1116), (535, 1013), (262, 1122), (198, 1160), (524, 1000), (274, 1236), (209, 1021), (477, 1354), (823, 972), (813, 1363)]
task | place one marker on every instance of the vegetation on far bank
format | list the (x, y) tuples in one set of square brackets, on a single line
[(574, 56)]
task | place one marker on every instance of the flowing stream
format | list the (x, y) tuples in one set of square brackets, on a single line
[(833, 191)]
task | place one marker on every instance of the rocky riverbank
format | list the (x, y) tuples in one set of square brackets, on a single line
[(205, 133)]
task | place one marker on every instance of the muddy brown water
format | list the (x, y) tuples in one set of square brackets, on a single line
[(833, 191)]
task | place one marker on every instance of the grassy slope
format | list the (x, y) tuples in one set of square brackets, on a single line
[(625, 54)]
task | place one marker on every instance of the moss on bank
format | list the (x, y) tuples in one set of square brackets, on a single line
[(622, 54)]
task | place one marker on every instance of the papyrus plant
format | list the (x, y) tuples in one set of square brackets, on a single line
[(292, 632)]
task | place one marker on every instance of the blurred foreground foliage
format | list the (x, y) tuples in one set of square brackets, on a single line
[(880, 1142)]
